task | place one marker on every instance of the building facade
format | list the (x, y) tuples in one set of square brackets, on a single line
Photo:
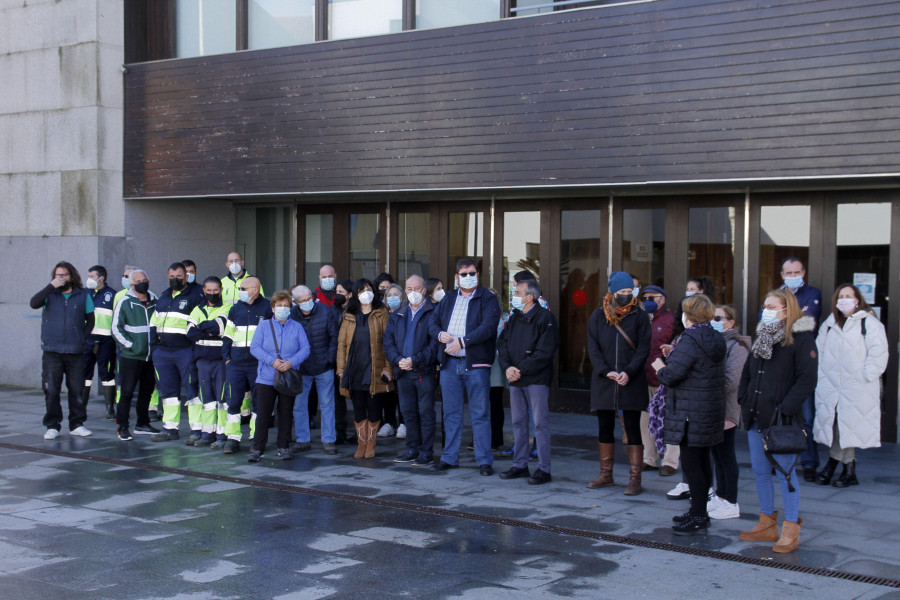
[(668, 138)]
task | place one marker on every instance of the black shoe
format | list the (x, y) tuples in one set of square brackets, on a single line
[(124, 435), (442, 466), (166, 435), (824, 476), (145, 430), (486, 470), (203, 442), (809, 474), (408, 456), (328, 448), (298, 447), (284, 454), (217, 444), (192, 439), (155, 416), (255, 455), (422, 461), (646, 467), (539, 478), (691, 525), (231, 446), (848, 476), (515, 473), (685, 516)]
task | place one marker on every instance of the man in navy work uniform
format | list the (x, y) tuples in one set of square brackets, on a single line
[(66, 321), (466, 326), (100, 348)]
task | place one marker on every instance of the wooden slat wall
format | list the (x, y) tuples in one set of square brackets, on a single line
[(671, 90)]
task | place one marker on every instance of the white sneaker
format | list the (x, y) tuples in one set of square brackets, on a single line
[(386, 431), (51, 434), (680, 492), (714, 503), (81, 431), (726, 510), (401, 432)]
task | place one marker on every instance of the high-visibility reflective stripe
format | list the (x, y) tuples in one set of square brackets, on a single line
[(209, 342), (210, 405), (87, 383), (110, 383), (242, 344), (195, 401), (137, 329), (100, 331), (233, 418), (173, 315), (103, 311), (170, 402), (175, 330), (208, 428)]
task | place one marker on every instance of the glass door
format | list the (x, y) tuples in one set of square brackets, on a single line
[(863, 253)]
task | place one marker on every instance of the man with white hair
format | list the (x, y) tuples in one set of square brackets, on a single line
[(322, 333)]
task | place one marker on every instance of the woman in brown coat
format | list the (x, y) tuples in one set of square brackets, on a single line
[(361, 365)]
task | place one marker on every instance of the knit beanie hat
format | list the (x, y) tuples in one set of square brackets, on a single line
[(620, 280)]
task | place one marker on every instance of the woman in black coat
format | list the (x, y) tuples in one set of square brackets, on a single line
[(618, 345), (694, 376)]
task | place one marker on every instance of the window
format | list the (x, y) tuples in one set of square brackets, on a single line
[(783, 232), (644, 245), (274, 23), (204, 27), (365, 246), (863, 253), (522, 8), (465, 239), (521, 242), (319, 246), (711, 253), (446, 13), (360, 18), (413, 245)]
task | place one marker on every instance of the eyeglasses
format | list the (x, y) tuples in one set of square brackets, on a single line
[(720, 318)]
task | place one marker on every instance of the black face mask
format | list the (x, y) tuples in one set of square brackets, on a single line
[(339, 300), (142, 287), (623, 299), (214, 299), (176, 283)]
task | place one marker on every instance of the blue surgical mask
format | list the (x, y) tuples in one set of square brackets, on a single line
[(307, 306), (282, 312), (126, 282), (327, 283), (517, 302), (769, 316), (793, 282), (468, 281), (393, 302), (689, 294), (243, 296), (191, 277), (717, 325), (650, 306)]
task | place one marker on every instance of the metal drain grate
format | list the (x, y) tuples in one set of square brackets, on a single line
[(457, 514)]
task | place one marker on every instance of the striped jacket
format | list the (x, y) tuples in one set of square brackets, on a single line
[(243, 319), (208, 330), (169, 324), (103, 313), (131, 326)]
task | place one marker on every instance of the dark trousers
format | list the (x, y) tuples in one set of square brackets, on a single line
[(365, 406), (606, 425), (697, 469), (810, 458), (497, 416), (312, 402), (340, 411), (53, 366), (239, 379), (104, 359), (173, 369), (134, 373), (389, 403), (726, 467), (265, 405), (417, 404)]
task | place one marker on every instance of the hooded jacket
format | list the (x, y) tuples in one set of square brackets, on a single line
[(737, 349), (786, 379), (850, 367)]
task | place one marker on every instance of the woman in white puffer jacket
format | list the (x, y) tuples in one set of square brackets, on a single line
[(853, 354)]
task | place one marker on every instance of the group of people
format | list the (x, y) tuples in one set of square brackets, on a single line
[(680, 381)]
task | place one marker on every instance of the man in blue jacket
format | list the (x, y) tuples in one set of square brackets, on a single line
[(67, 319), (412, 351), (466, 326)]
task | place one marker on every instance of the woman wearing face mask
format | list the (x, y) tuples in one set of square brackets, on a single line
[(390, 402), (852, 356), (618, 346), (780, 373), (434, 289), (342, 293), (723, 504), (292, 349), (361, 365)]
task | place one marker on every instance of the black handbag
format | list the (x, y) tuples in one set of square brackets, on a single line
[(784, 438), (290, 382)]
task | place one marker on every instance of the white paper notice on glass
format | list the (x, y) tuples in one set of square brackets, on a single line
[(865, 282)]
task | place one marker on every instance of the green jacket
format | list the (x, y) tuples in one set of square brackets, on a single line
[(131, 326)]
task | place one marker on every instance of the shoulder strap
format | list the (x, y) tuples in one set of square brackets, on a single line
[(862, 325), (275, 339), (627, 339)]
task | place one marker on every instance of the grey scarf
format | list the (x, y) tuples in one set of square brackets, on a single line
[(766, 338)]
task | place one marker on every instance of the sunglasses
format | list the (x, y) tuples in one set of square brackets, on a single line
[(720, 318)]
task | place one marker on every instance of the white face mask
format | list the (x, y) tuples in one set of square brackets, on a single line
[(366, 297), (90, 284), (327, 283), (793, 282), (235, 268), (438, 295), (845, 305), (468, 281), (307, 306), (415, 298), (243, 296), (282, 312), (769, 316)]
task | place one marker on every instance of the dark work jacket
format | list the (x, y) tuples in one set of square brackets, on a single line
[(322, 334), (64, 324), (609, 352), (528, 342), (694, 377), (788, 378), (425, 347), (481, 326)]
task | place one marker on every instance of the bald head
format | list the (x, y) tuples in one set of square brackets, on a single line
[(251, 286)]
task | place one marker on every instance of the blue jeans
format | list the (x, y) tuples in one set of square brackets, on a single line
[(810, 458), (417, 406), (325, 390), (765, 487), (456, 383)]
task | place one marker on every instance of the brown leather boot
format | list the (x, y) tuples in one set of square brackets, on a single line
[(361, 437), (607, 454), (372, 434), (635, 461), (766, 529), (790, 537)]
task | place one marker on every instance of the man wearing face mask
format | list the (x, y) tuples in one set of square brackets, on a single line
[(191, 287), (172, 350), (209, 320), (67, 318), (99, 348), (321, 331), (240, 365), (131, 330), (466, 326), (231, 283), (325, 293), (809, 298)]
